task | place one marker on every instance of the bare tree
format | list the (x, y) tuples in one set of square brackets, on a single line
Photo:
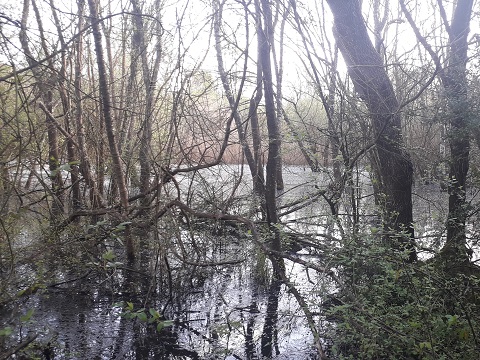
[(149, 80), (44, 82), (254, 162), (109, 127), (85, 161)]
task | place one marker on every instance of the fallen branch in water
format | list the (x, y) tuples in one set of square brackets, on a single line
[(71, 280), (18, 347)]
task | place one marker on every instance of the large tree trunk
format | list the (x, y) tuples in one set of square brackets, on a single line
[(455, 84), (109, 127), (392, 163)]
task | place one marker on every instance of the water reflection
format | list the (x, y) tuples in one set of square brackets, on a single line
[(217, 311)]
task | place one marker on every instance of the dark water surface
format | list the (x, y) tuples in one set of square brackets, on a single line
[(211, 310)]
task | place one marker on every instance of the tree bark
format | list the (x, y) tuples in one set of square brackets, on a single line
[(45, 89), (76, 197), (257, 179), (256, 132), (149, 80), (454, 81), (278, 66), (109, 127), (392, 163), (85, 163), (455, 84), (263, 10)]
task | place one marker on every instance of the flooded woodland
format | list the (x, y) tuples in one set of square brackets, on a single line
[(230, 179), (199, 287)]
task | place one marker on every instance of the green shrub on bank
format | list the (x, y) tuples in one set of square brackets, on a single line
[(387, 308)]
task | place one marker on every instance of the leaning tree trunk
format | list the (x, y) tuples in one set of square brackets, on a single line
[(392, 163), (107, 115)]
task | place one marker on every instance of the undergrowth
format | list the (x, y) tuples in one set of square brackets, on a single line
[(387, 308)]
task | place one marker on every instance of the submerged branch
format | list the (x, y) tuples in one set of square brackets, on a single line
[(18, 347)]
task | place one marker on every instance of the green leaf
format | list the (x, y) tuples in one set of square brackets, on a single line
[(6, 331), (122, 226), (451, 319), (108, 255), (425, 345), (463, 334), (155, 314), (163, 324), (128, 315), (27, 316), (129, 306), (142, 316), (414, 324)]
